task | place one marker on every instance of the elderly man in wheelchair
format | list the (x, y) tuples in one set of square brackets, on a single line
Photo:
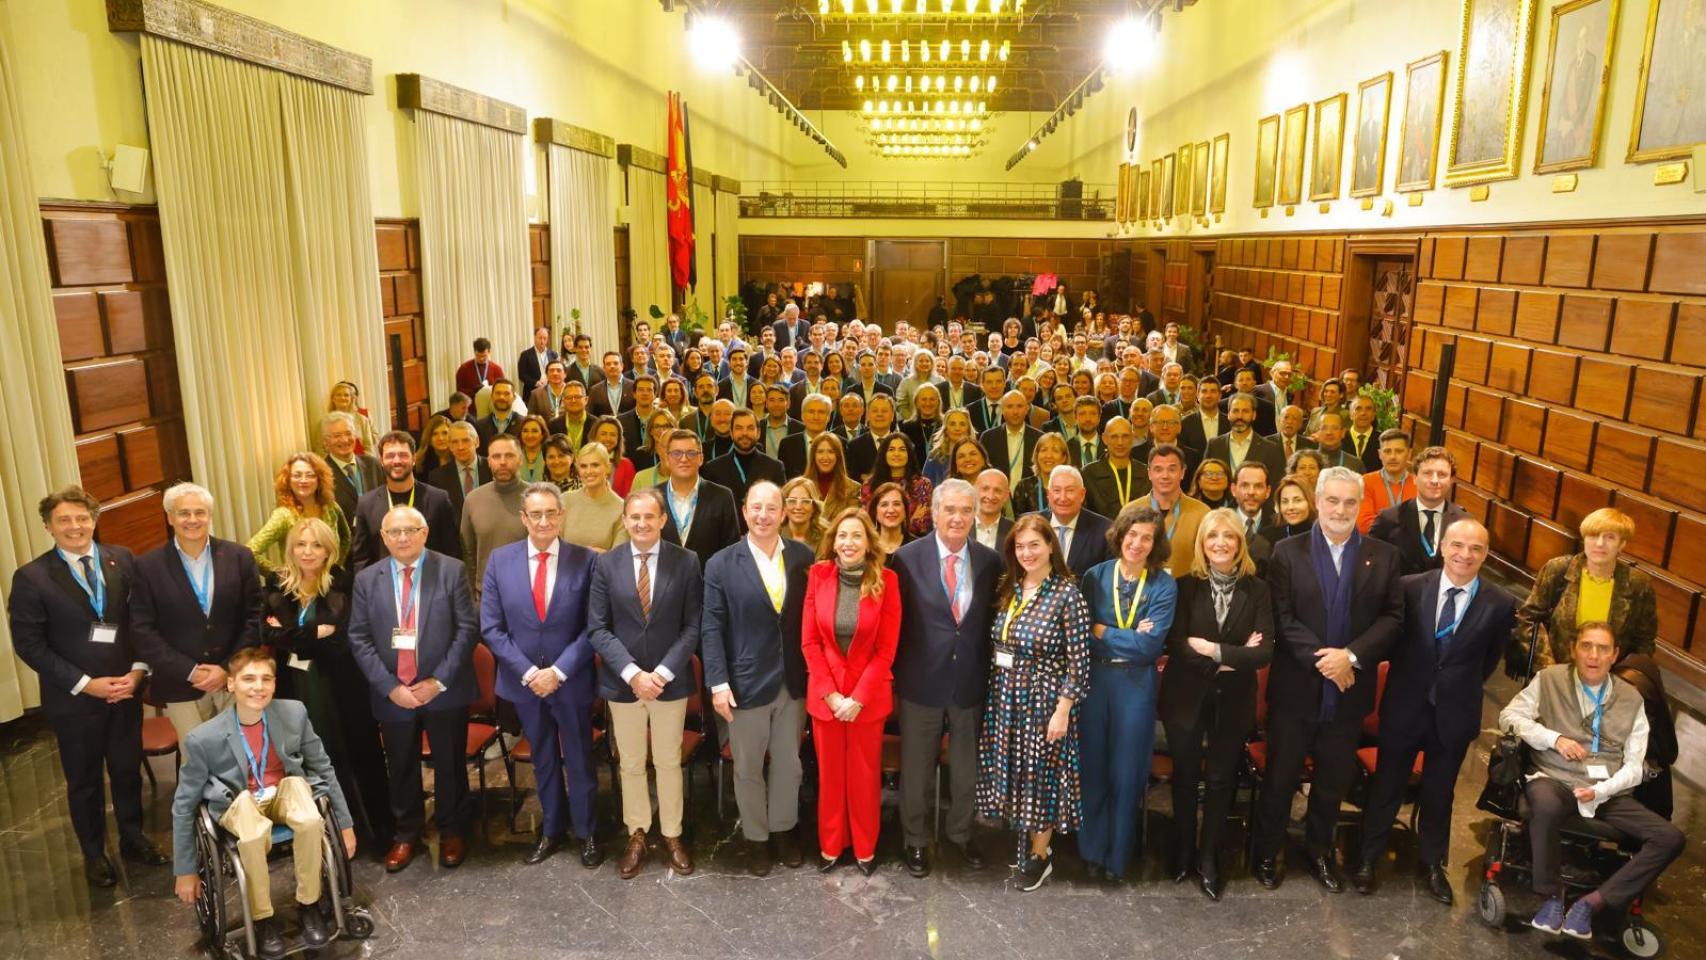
[(257, 766), (1587, 732)]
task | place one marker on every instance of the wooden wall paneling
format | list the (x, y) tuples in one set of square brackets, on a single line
[(137, 520), (87, 251), (1535, 486), (107, 394), (1524, 259), (100, 466), (539, 252), (1585, 322), (1676, 264), (1462, 448), (1569, 260), (1552, 376), (1525, 425), (1688, 548), (78, 316), (1483, 413), (1643, 327), (1569, 438), (1676, 602), (1547, 540), (1602, 386), (1623, 260), (400, 287), (1507, 367), (1473, 355), (1537, 315), (1664, 398), (1623, 454), (1654, 522), (1448, 258), (1495, 470), (1459, 308), (1679, 472), (1473, 501), (143, 464), (1578, 496), (1495, 313), (1507, 529), (1482, 259)]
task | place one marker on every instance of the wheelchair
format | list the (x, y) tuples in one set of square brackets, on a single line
[(222, 877)]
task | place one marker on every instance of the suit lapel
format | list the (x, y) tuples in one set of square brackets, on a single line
[(1430, 611), (234, 740), (181, 576), (59, 573)]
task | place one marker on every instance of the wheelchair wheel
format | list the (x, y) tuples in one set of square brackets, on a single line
[(1641, 940), (357, 924), (1490, 905), (210, 906)]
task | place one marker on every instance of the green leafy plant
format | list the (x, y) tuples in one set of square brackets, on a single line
[(1385, 404), (654, 312), (1300, 380), (1192, 337), (734, 308), (694, 318)]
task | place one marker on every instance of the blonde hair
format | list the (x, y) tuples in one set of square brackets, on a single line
[(1218, 518), (292, 580), (1609, 520)]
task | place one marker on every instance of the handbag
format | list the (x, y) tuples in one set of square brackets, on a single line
[(1507, 761)]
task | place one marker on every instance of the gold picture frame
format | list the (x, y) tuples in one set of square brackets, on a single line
[(1155, 189), (1182, 182), (1294, 137), (1495, 46), (1199, 180), (1570, 140), (1122, 195), (1267, 161), (1670, 54), (1220, 152), (1167, 185), (1368, 148), (1142, 195), (1424, 116), (1327, 165)]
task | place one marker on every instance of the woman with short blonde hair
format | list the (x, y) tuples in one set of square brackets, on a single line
[(1589, 586)]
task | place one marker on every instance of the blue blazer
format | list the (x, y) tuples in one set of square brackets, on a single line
[(1456, 679), (745, 643), (623, 636), (519, 639), (1160, 596), (444, 649)]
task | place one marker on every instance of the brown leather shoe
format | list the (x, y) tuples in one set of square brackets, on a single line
[(451, 850), (401, 854), (633, 856), (679, 859)]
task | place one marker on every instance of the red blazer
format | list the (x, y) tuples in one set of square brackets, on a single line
[(864, 671)]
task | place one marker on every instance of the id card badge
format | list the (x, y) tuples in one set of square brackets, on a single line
[(402, 639), (1004, 659), (297, 663), (265, 794), (1598, 771), (103, 633)]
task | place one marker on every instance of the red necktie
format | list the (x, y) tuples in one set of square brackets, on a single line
[(406, 658), (539, 586), (952, 576)]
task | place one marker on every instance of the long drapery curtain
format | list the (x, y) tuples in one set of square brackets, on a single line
[(728, 246), (648, 240), (583, 243), (475, 275), (267, 225), (36, 452), (704, 258)]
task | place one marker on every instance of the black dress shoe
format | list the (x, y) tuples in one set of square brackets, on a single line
[(142, 850), (917, 862), (969, 855), (866, 867), (315, 931), (828, 864), (592, 853), (1181, 873), (1211, 887), (1095, 871), (1325, 870), (1267, 873), (544, 849), (1439, 885), (758, 860), (1364, 879), (99, 871), (269, 940), (787, 848)]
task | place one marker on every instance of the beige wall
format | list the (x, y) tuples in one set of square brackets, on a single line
[(600, 64)]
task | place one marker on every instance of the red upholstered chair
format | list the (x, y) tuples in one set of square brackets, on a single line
[(1368, 755), (159, 738), (482, 720)]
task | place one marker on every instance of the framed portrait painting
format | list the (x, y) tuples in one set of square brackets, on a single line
[(1199, 180), (1155, 181), (1217, 177), (1267, 160), (1122, 194), (1167, 185), (1670, 99), (1368, 153), (1294, 136), (1182, 181), (1493, 51), (1329, 148), (1572, 102), (1424, 106), (1142, 195)]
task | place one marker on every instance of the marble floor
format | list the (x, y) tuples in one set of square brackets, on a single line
[(494, 906)]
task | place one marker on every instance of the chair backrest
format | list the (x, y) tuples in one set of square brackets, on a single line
[(1371, 723), (696, 699), (485, 679), (1261, 703)]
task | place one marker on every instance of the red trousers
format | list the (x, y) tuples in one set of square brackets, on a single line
[(850, 785)]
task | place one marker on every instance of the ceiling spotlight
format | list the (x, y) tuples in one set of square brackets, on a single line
[(714, 43), (1130, 44)]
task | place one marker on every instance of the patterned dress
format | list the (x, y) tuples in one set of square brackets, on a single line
[(1022, 778)]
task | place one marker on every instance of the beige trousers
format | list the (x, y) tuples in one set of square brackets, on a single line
[(189, 714), (251, 823), (665, 719)]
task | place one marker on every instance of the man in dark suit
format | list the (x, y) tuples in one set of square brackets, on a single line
[(581, 368), (1278, 390), (502, 420), (611, 392), (986, 410), (866, 382), (644, 624), (1290, 435), (1132, 389), (879, 424), (776, 426), (1086, 446), (1250, 488), (1011, 442), (795, 449), (1083, 533), (353, 474), (533, 615), (1330, 441), (197, 601), (750, 638), (412, 632), (1363, 439), (1244, 383), (957, 391), (1454, 635), (1243, 443), (1198, 428), (459, 407), (700, 515), (811, 372), (739, 387), (992, 525), (530, 367), (792, 330), (1415, 526), (1338, 608), (69, 611), (941, 669), (466, 470), (633, 420), (397, 457), (746, 464)]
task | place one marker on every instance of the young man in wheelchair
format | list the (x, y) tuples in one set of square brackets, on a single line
[(1587, 735), (259, 764)]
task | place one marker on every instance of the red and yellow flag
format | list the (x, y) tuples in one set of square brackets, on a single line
[(681, 239)]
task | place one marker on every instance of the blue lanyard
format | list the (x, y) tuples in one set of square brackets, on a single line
[(681, 525), (1394, 497), (1428, 547), (98, 591), (1172, 522), (414, 593), (1469, 598), (742, 470), (307, 612), (257, 768), (204, 590), (1598, 708)]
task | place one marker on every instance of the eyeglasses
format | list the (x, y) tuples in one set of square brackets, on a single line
[(404, 531), (797, 501), (541, 516), (682, 456)]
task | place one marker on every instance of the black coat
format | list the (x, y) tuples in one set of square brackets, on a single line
[(744, 641), (715, 524), (995, 445), (727, 471), (940, 662), (1477, 647), (442, 518), (1191, 677), (367, 469), (1089, 542), (51, 617), (1401, 526), (172, 633), (445, 478), (622, 635), (1300, 621)]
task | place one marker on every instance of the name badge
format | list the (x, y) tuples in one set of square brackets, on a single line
[(265, 794), (402, 639), (1598, 771), (297, 663), (1004, 659), (103, 633)]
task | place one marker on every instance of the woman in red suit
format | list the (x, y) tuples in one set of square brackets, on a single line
[(850, 626)]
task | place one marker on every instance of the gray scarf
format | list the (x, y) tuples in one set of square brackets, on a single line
[(1221, 586)]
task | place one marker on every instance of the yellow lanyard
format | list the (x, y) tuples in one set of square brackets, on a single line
[(780, 590), (1121, 620), (1015, 610), (1123, 488)]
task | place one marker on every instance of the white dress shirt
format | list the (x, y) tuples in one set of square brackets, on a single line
[(1522, 717), (551, 555), (962, 573), (651, 557), (74, 561)]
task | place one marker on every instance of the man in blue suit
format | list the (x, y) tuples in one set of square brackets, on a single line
[(533, 605), (412, 631)]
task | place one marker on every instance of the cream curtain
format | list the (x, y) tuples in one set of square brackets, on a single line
[(36, 453), (704, 233), (648, 240), (475, 277), (583, 244), (727, 242), (268, 231)]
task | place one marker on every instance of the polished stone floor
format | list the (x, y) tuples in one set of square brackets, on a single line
[(494, 906)]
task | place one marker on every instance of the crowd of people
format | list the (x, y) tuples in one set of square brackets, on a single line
[(1025, 551)]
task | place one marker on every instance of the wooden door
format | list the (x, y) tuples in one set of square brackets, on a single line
[(1392, 283), (906, 278)]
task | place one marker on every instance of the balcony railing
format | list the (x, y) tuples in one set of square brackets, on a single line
[(956, 200)]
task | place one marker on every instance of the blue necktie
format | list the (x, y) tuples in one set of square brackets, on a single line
[(1442, 636)]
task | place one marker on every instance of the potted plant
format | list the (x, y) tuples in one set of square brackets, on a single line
[(1385, 405)]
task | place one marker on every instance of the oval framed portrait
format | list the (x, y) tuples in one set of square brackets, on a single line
[(1131, 130)]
